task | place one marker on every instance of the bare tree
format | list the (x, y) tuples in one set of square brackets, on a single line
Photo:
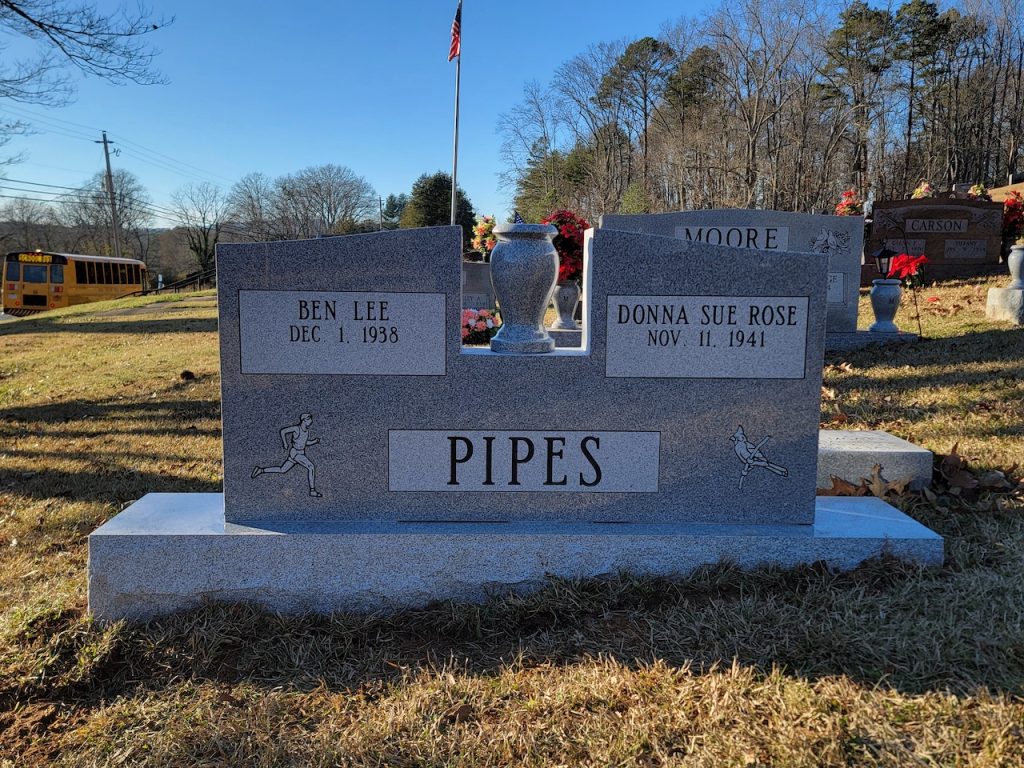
[(86, 215), (250, 207), (59, 37), (28, 224), (78, 35), (200, 210)]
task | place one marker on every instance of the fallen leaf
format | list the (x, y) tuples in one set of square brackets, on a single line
[(876, 484), (828, 394), (842, 487), (962, 479)]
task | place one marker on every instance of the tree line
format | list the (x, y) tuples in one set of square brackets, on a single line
[(318, 201), (775, 104)]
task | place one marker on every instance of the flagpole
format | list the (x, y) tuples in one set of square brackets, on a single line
[(455, 150)]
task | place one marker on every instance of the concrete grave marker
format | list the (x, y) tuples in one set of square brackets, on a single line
[(840, 238)]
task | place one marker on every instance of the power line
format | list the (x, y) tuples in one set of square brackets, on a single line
[(80, 193), (142, 208), (142, 148), (75, 131)]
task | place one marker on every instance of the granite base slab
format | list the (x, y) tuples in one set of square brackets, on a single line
[(567, 338), (844, 342), (169, 552), (851, 455), (1006, 304)]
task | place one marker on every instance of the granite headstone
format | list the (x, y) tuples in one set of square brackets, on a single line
[(371, 462), (695, 397), (960, 237), (840, 238)]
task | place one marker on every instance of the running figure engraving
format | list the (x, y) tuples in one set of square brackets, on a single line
[(753, 456), (295, 439)]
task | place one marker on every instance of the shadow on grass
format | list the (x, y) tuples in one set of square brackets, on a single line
[(106, 484), (885, 624), (166, 416), (123, 324), (990, 346)]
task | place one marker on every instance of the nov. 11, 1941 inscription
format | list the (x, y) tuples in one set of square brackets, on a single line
[(707, 337)]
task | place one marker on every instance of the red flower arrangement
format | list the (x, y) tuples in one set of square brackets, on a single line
[(568, 243), (906, 266), (907, 269), (850, 204), (1013, 217)]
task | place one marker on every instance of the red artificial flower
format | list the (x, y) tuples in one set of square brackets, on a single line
[(905, 265)]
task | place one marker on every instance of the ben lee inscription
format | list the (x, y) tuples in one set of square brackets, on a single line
[(707, 337), (323, 332)]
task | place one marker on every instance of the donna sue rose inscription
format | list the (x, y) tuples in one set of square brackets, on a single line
[(707, 337)]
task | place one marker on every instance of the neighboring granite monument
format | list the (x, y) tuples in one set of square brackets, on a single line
[(359, 473), (839, 238), (960, 237)]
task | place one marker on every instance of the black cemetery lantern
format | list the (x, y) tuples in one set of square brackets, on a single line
[(883, 260)]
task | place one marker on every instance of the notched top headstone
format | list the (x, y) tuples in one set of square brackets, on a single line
[(347, 396), (840, 238)]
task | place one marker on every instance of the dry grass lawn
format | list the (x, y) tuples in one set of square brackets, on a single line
[(890, 665)]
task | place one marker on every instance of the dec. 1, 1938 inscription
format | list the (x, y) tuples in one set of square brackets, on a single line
[(342, 332), (707, 337)]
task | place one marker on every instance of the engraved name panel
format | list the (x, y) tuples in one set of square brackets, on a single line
[(504, 460), (707, 337), (330, 332)]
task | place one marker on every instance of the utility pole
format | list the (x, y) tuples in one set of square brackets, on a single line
[(380, 221), (110, 192)]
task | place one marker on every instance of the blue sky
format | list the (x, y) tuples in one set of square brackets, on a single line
[(276, 88)]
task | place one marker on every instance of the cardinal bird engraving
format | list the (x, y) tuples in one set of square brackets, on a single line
[(753, 456)]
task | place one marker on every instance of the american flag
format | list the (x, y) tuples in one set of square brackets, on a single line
[(456, 47), (517, 219)]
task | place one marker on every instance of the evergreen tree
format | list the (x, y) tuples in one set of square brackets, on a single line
[(430, 205), (394, 206)]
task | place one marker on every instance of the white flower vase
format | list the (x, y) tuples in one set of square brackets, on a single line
[(524, 267), (566, 297), (885, 302), (1015, 261)]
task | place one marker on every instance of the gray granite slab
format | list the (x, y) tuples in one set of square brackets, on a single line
[(170, 552), (840, 238), (1005, 304), (313, 445), (477, 291), (851, 455)]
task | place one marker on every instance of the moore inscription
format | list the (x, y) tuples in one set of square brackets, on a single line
[(763, 238)]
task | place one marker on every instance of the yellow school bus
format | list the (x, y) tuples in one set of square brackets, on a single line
[(36, 280)]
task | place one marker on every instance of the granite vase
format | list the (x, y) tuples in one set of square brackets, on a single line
[(524, 267), (1015, 261), (567, 298), (885, 301)]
